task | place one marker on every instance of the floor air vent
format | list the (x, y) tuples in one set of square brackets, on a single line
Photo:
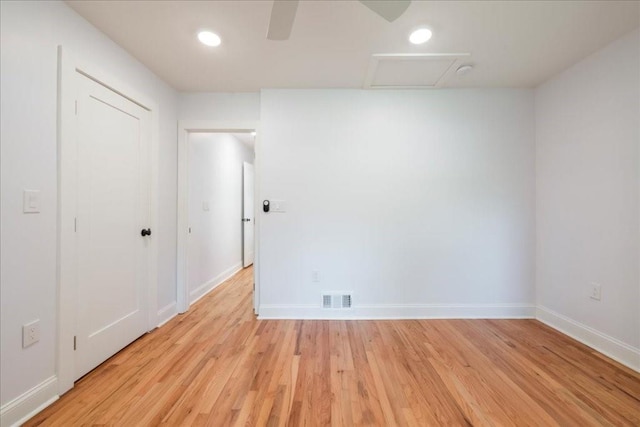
[(346, 301), (336, 301)]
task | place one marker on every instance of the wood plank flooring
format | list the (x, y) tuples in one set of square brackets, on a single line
[(217, 365)]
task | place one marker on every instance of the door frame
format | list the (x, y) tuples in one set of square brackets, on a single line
[(186, 127), (244, 167), (69, 66)]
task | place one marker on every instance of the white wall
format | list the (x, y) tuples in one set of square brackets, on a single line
[(587, 157), (30, 34), (215, 178), (420, 202), (219, 107)]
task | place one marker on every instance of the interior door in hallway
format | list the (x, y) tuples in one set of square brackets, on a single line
[(113, 203), (248, 218)]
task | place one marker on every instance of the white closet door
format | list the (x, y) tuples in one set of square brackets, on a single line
[(112, 210)]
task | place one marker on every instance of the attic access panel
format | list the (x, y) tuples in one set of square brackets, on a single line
[(412, 70)]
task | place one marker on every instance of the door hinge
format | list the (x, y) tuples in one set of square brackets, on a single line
[(75, 224), (189, 230), (74, 343), (76, 107)]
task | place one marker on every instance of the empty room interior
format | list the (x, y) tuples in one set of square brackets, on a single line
[(317, 212)]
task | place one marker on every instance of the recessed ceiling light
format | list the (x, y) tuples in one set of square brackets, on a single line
[(464, 69), (420, 36), (209, 38)]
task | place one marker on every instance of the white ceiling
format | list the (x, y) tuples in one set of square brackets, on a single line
[(513, 43)]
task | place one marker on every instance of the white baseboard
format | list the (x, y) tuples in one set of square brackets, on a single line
[(400, 311), (29, 403), (210, 285), (167, 313), (609, 346)]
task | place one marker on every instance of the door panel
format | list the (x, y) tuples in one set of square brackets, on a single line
[(112, 209), (248, 215)]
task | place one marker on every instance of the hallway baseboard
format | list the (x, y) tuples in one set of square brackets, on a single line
[(210, 285), (25, 406)]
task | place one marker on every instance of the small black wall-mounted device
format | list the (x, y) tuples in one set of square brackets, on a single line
[(265, 206)]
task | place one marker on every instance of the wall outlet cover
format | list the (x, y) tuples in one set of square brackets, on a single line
[(30, 333)]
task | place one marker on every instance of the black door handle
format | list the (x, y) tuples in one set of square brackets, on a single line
[(146, 232)]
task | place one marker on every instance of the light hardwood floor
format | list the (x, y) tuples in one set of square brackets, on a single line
[(217, 365)]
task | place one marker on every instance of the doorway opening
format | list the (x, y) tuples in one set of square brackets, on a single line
[(220, 241), (216, 199)]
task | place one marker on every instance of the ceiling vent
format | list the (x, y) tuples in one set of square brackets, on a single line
[(412, 70), (336, 301)]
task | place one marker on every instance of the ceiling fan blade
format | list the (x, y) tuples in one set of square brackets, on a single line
[(388, 9), (283, 13)]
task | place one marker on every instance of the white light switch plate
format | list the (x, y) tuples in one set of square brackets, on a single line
[(31, 201), (279, 206)]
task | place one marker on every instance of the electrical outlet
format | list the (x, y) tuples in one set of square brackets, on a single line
[(596, 292), (315, 276), (30, 333)]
